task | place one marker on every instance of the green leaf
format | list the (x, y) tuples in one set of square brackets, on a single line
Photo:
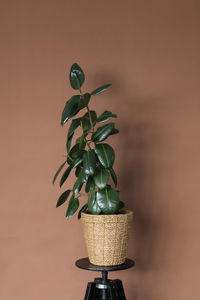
[(69, 142), (84, 207), (65, 175), (63, 198), (76, 162), (58, 172), (81, 142), (106, 115), (84, 100), (121, 205), (93, 117), (70, 109), (72, 207), (93, 207), (85, 126), (77, 77), (79, 139), (114, 177), (85, 122), (105, 154), (102, 132), (83, 177), (89, 162), (74, 153), (114, 131), (77, 186), (108, 200), (101, 178), (78, 170), (89, 184), (100, 89), (74, 125)]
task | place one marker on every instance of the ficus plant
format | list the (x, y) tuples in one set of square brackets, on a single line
[(90, 157)]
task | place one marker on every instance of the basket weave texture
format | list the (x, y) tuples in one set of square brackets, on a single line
[(106, 237)]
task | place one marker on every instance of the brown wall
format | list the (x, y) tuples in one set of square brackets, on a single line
[(149, 50)]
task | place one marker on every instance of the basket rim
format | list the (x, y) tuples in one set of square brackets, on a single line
[(125, 215)]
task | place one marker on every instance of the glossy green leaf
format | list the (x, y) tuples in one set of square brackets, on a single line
[(83, 208), (65, 175), (77, 77), (74, 125), (106, 115), (108, 200), (93, 206), (74, 153), (83, 177), (69, 142), (76, 162), (100, 89), (105, 154), (72, 207), (63, 198), (93, 117), (85, 126), (81, 142), (114, 131), (102, 132), (114, 176), (58, 171), (89, 162), (84, 100), (79, 139), (77, 186), (78, 170), (70, 109), (101, 178), (121, 205), (89, 184)]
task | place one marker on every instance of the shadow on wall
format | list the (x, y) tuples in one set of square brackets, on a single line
[(142, 144), (141, 139)]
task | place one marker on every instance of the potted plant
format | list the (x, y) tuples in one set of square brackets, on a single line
[(106, 224)]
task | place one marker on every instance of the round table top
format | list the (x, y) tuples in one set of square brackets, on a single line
[(85, 264)]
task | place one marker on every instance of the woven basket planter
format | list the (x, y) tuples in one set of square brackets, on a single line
[(106, 237)]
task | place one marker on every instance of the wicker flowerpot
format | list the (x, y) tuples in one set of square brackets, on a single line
[(106, 237)]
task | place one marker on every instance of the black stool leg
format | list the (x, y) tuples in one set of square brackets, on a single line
[(90, 292), (113, 292), (105, 290), (100, 292), (120, 289)]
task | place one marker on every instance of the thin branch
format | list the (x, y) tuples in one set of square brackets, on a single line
[(90, 118), (85, 137)]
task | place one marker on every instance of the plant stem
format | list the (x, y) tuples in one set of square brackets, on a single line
[(81, 194), (89, 113), (85, 137), (90, 117)]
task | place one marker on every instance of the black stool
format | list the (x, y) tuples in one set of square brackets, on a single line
[(104, 288)]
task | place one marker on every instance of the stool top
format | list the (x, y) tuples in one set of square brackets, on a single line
[(85, 264)]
